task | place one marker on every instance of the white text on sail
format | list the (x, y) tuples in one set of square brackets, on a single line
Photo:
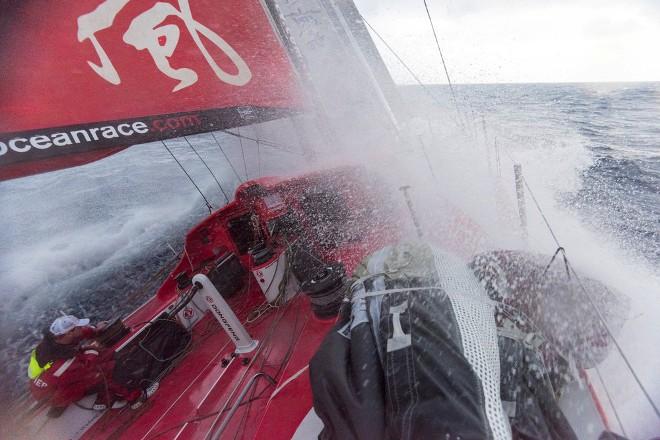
[(145, 33)]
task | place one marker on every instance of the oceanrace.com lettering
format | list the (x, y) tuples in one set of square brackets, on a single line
[(65, 138), (149, 130)]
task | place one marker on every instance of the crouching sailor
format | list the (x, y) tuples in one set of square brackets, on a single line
[(68, 364)]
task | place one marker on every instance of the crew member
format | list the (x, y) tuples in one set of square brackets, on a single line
[(68, 365)]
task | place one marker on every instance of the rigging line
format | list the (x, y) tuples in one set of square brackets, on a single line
[(426, 89), (264, 142), (428, 161), (444, 64), (609, 399), (296, 130), (592, 303), (616, 343), (563, 252), (208, 205), (538, 207), (207, 167), (256, 135), (226, 157), (240, 140)]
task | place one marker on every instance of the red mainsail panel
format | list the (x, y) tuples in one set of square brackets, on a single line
[(81, 80)]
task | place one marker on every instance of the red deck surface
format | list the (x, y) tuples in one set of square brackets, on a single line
[(199, 387), (201, 392), (198, 395)]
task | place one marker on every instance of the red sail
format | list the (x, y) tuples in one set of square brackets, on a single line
[(83, 79)]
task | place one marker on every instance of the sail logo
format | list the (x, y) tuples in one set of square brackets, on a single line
[(188, 313), (109, 134), (147, 31), (80, 135), (225, 323)]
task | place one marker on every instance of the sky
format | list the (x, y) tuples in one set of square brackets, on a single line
[(495, 41)]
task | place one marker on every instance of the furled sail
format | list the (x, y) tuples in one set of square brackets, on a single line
[(82, 80)]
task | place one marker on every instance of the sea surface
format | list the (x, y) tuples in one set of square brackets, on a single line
[(608, 134), (97, 240)]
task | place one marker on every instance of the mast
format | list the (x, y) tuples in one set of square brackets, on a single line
[(355, 107), (364, 43), (365, 63), (319, 114)]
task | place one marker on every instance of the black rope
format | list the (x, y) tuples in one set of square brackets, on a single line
[(240, 179), (208, 205), (209, 169), (261, 395), (444, 64)]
